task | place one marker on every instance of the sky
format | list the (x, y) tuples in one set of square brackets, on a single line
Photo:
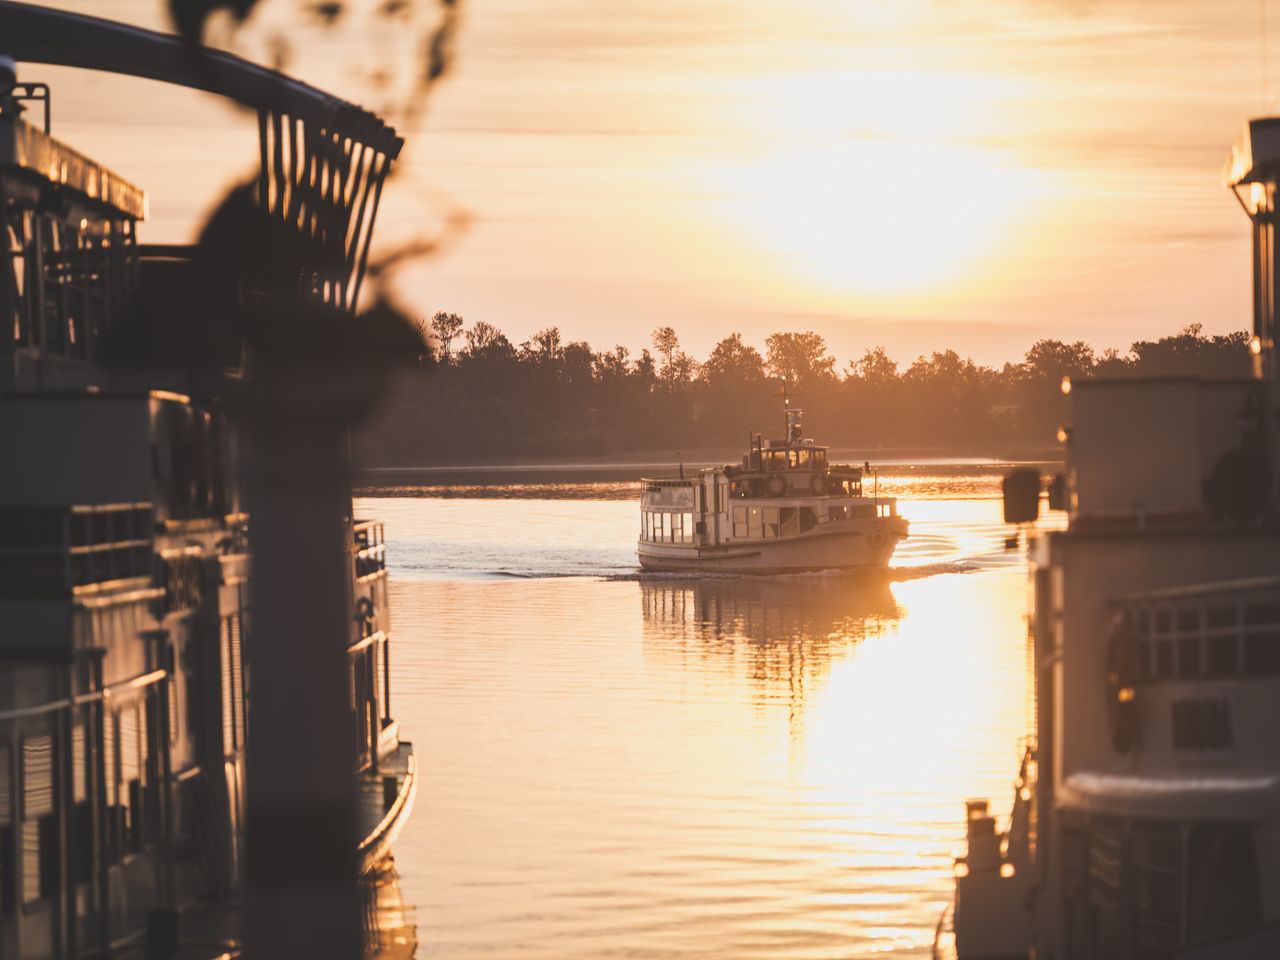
[(913, 174)]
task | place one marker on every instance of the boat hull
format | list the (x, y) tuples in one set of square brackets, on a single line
[(857, 547)]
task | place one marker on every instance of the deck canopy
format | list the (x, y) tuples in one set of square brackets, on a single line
[(322, 160)]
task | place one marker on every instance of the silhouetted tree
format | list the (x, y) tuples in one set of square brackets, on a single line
[(799, 358), (446, 327), (548, 397)]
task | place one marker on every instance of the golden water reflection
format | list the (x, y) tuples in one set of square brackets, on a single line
[(688, 768)]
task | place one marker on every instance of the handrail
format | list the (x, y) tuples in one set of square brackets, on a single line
[(79, 700)]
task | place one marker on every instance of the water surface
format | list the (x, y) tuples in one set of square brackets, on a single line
[(619, 765)]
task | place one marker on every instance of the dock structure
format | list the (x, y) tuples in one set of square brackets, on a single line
[(195, 663)]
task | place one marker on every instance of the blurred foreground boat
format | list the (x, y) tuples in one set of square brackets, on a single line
[(126, 576), (784, 510), (1146, 813)]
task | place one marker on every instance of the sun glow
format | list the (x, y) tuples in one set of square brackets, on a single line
[(880, 184)]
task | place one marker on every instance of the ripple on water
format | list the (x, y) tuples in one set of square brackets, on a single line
[(626, 765)]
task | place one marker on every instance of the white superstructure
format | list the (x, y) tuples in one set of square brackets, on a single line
[(784, 509), (1146, 820)]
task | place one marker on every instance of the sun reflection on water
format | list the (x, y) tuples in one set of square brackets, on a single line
[(751, 767)]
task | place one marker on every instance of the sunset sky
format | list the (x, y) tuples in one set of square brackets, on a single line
[(903, 173)]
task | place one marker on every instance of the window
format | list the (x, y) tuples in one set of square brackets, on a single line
[(39, 822), (1220, 656), (1262, 654), (1164, 658), (110, 755), (740, 522), (131, 776), (1189, 657), (1222, 617), (808, 519), (1256, 613), (755, 528), (789, 525), (771, 523), (802, 459), (687, 527)]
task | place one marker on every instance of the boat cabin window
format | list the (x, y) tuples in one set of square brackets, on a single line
[(40, 853), (775, 459), (799, 459), (819, 459), (659, 526), (790, 525), (771, 523)]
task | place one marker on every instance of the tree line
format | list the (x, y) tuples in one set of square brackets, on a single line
[(477, 396)]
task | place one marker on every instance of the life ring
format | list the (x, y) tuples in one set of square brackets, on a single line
[(876, 539), (775, 486), (818, 485)]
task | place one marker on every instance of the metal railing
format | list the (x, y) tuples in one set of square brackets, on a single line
[(370, 547), (51, 550)]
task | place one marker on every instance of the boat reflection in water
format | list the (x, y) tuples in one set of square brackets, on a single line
[(777, 619), (390, 924), (752, 767)]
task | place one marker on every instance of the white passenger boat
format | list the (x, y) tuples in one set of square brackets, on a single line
[(785, 509), (1146, 815)]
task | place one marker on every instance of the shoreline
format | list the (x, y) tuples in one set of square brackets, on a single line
[(641, 465)]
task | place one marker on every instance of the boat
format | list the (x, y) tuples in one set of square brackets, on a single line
[(784, 509), (127, 577), (1146, 809)]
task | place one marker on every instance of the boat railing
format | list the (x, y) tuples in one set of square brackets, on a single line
[(1213, 630), (52, 550), (652, 484), (370, 547), (75, 266)]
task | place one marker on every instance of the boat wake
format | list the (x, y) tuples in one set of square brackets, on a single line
[(891, 574)]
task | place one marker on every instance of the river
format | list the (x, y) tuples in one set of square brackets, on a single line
[(620, 765)]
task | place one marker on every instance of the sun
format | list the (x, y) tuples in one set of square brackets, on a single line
[(877, 184)]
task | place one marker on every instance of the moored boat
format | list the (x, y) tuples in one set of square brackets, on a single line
[(784, 509), (127, 573), (1147, 810)]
